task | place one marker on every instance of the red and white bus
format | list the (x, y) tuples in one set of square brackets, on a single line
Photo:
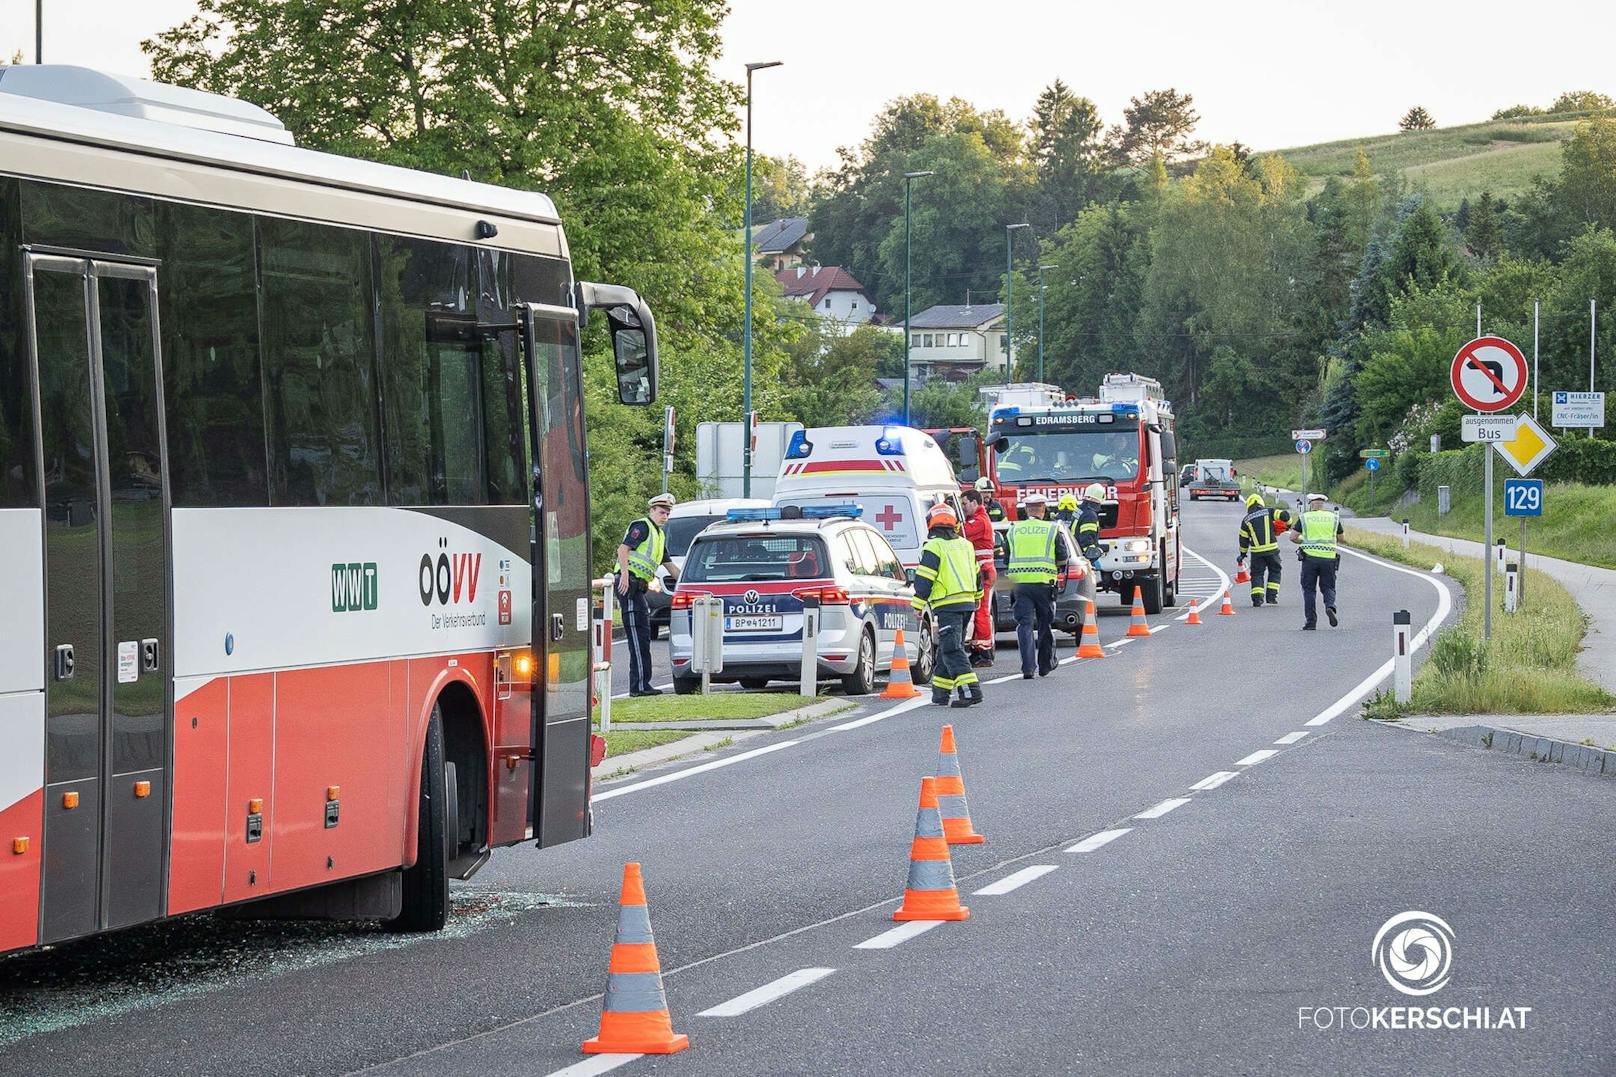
[(294, 513)]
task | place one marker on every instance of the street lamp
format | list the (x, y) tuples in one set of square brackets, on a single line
[(1042, 266), (908, 179), (1010, 295), (746, 328)]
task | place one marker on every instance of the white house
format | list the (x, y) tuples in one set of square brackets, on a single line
[(831, 291), (955, 341)]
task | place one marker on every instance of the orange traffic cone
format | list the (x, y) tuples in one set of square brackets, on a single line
[(1242, 576), (634, 1019), (930, 893), (1195, 614), (1138, 626), (1089, 642), (1228, 606), (951, 803), (900, 685)]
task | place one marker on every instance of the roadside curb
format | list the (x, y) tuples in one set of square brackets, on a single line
[(1592, 761), (615, 766)]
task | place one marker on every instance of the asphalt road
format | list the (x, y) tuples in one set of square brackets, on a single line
[(1184, 944)]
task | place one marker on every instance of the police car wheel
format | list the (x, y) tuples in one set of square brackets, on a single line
[(861, 682), (684, 686), (754, 683)]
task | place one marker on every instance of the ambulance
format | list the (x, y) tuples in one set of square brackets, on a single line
[(894, 473)]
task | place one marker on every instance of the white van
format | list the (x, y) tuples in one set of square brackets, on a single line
[(894, 473)]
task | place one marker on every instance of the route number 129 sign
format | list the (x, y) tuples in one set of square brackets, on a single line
[(1523, 497)]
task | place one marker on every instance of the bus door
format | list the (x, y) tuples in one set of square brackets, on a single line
[(558, 801), (96, 368)]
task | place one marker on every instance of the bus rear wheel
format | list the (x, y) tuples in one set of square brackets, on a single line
[(426, 885)]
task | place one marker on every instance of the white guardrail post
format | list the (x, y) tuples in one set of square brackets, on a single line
[(600, 667), (810, 648), (1512, 587), (1402, 658)]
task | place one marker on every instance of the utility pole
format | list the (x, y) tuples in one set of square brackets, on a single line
[(39, 31), (1010, 296), (746, 328), (908, 254)]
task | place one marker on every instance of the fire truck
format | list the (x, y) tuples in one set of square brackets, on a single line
[(1123, 439)]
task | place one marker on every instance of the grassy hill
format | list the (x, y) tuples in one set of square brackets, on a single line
[(1451, 163)]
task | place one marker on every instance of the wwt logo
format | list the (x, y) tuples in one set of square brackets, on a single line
[(353, 587)]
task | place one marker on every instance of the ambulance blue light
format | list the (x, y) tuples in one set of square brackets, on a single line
[(800, 446), (889, 444), (794, 512)]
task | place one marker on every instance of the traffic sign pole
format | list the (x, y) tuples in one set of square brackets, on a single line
[(1487, 552)]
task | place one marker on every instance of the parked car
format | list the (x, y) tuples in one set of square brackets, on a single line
[(764, 562), (1211, 478), (687, 520), (1078, 585)]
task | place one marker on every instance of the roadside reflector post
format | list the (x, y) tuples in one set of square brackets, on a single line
[(1405, 532), (1512, 587), (1402, 659), (809, 674), (1498, 557), (707, 638), (602, 665)]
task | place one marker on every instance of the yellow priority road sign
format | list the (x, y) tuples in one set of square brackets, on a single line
[(1530, 446)]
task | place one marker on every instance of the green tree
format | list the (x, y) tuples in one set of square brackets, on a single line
[(1161, 124), (1482, 230), (1582, 101), (1416, 119), (831, 374), (1516, 112), (779, 188), (1068, 150), (1588, 172)]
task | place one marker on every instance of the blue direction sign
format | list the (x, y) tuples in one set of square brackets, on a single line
[(1523, 497), (1304, 446), (1372, 464)]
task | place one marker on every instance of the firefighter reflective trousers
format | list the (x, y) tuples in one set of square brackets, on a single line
[(953, 667), (1265, 564)]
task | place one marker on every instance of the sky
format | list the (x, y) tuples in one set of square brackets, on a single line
[(1268, 74)]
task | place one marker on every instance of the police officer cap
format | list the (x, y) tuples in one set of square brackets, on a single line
[(665, 501), (1316, 497), (1034, 498)]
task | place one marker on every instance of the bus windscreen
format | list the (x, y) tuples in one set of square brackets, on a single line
[(1069, 455)]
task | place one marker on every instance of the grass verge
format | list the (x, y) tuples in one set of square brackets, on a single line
[(1529, 666), (623, 741), (719, 705)]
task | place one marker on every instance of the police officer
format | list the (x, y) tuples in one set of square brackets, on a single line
[(995, 511), (1066, 511), (1318, 532), (1088, 522), (1037, 560), (643, 550), (978, 529), (1259, 540), (947, 583)]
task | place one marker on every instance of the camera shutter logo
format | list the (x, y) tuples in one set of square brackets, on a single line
[(1414, 951)]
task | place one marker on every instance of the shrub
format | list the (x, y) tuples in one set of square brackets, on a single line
[(1407, 468), (1456, 653), (1591, 461)]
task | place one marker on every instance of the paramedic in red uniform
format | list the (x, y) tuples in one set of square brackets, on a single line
[(979, 529)]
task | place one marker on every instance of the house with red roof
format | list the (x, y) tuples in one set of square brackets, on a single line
[(831, 291)]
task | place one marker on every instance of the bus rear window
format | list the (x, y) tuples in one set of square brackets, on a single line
[(755, 559)]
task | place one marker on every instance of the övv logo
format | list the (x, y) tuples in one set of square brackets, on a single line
[(449, 578), (1414, 951)]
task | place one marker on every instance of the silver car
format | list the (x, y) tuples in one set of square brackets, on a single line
[(764, 564)]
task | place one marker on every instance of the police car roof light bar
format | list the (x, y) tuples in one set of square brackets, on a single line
[(794, 512)]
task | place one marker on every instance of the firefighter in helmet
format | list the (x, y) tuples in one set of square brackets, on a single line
[(948, 584)]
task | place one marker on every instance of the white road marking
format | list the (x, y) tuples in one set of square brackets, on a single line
[(902, 933), (762, 996), (1123, 642), (1444, 604), (1292, 738), (1159, 628), (1001, 680), (618, 791), (1163, 808), (595, 1064), (1094, 841), (1212, 781), (1256, 757), (900, 708), (1015, 881)]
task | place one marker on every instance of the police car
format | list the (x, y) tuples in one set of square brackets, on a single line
[(764, 563)]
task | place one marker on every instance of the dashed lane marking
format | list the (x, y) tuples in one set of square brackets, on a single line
[(1015, 881), (762, 996), (1163, 808), (1094, 841), (593, 1065), (1292, 738), (1120, 642), (1256, 757), (902, 933), (1212, 781)]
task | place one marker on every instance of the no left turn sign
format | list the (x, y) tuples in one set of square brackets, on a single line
[(1489, 374)]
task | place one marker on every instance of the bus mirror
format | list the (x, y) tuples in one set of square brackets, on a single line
[(633, 333)]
